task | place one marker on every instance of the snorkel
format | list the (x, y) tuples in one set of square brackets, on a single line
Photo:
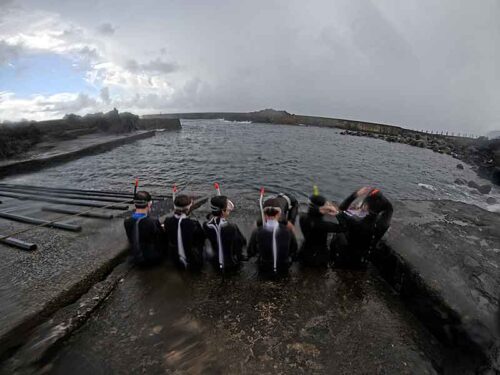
[(217, 188), (174, 192), (261, 203), (136, 186)]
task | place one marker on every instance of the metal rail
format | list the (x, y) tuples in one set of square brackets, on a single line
[(61, 210), (59, 218), (104, 193), (32, 220), (70, 202), (18, 243), (64, 195)]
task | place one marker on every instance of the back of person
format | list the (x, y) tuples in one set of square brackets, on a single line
[(226, 240), (274, 243), (315, 250), (227, 243), (365, 223), (144, 233), (185, 236)]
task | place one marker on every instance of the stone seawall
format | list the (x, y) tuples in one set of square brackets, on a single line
[(70, 150)]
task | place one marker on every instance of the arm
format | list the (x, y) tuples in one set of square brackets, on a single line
[(347, 202)]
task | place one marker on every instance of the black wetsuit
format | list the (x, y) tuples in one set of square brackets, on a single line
[(353, 248), (145, 236), (261, 245), (315, 250), (289, 209), (232, 243), (190, 254)]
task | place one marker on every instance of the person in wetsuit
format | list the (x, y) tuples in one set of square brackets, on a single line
[(144, 233), (185, 236), (274, 243), (289, 206), (365, 215), (226, 240), (315, 250)]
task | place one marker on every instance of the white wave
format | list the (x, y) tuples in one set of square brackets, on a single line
[(427, 186)]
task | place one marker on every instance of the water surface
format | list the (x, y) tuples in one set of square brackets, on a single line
[(245, 156)]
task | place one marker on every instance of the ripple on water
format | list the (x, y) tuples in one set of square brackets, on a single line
[(245, 156)]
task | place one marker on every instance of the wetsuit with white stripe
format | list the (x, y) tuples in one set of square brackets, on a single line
[(227, 243), (185, 241), (275, 246)]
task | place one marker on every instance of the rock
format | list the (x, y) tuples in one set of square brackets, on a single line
[(491, 200), (461, 181), (473, 185), (495, 176), (484, 189), (460, 166)]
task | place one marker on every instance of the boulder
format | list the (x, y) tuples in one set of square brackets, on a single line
[(461, 181), (491, 200), (460, 166), (495, 176), (484, 189), (473, 184)]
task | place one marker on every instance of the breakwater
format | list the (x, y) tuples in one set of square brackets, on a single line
[(483, 154)]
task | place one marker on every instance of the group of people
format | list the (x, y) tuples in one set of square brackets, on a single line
[(361, 220)]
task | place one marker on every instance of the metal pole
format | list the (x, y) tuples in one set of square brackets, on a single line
[(64, 201), (18, 243), (65, 195), (61, 210), (32, 220)]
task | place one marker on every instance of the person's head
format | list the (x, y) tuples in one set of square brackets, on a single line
[(374, 201), (182, 204), (315, 203), (221, 206), (272, 209), (142, 201)]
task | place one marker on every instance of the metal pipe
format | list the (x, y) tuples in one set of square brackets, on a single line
[(104, 193), (69, 202), (65, 195), (32, 220), (65, 190), (61, 210), (18, 243)]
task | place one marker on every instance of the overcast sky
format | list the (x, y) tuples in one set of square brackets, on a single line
[(422, 64)]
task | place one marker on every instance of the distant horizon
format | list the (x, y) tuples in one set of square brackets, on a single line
[(425, 64), (495, 133)]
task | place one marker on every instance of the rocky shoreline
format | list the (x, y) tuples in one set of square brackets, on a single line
[(481, 153)]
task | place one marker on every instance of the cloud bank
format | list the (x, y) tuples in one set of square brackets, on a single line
[(419, 64)]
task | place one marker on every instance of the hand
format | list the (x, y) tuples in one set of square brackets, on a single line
[(364, 190)]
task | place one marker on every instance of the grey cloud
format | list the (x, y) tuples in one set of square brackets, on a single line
[(104, 95), (9, 52), (81, 102), (106, 29), (153, 66), (417, 63)]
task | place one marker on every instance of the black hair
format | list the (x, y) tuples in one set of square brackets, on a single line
[(272, 207), (182, 201), (315, 202), (376, 202), (141, 199), (218, 204)]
